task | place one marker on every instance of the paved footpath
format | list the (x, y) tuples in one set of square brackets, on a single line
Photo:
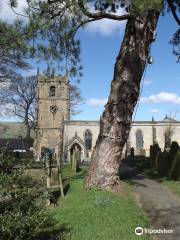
[(159, 204)]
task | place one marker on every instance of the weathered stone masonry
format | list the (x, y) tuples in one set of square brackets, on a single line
[(57, 132)]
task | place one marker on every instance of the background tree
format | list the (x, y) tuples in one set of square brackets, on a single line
[(25, 40), (12, 51), (18, 99), (16, 93), (115, 123), (169, 130), (75, 99), (176, 44)]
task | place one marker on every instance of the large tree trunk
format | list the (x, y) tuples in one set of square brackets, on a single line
[(116, 120)]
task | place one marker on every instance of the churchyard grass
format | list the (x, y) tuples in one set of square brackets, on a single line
[(97, 215), (174, 186)]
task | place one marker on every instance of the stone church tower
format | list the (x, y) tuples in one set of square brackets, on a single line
[(53, 107)]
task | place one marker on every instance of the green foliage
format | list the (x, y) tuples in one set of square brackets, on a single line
[(154, 150), (172, 153), (157, 160), (22, 204), (13, 51), (55, 43), (138, 6), (176, 43), (166, 163), (175, 168), (163, 165)]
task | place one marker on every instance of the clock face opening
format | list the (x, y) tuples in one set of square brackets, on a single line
[(53, 109)]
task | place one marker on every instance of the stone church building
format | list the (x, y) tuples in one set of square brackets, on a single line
[(58, 133)]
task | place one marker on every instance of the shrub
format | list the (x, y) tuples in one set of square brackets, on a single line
[(154, 152), (22, 205), (175, 168), (163, 164)]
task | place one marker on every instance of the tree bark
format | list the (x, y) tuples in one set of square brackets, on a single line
[(116, 119), (28, 131), (28, 128)]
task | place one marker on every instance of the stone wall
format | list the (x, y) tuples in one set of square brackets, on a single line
[(52, 110), (54, 129), (74, 131)]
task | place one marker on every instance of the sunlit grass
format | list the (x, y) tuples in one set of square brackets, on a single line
[(174, 186), (98, 215)]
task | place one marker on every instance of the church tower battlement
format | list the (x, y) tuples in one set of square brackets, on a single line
[(53, 107)]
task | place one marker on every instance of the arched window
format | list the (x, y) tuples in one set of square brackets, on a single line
[(88, 139), (52, 91), (139, 139)]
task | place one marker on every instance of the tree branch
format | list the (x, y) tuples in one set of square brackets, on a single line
[(171, 5), (100, 15), (84, 23)]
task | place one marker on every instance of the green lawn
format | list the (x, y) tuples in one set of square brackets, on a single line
[(174, 186), (98, 215)]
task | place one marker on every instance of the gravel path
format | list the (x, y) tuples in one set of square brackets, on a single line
[(159, 204)]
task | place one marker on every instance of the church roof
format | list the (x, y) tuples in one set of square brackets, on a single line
[(168, 119)]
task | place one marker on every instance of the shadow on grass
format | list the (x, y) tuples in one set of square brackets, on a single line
[(75, 175), (137, 168), (53, 233), (71, 176)]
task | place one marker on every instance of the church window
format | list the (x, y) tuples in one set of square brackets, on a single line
[(88, 139), (52, 91), (139, 139)]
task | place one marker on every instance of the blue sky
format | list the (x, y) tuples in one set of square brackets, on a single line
[(161, 89), (100, 43)]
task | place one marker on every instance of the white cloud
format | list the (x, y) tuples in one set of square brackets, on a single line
[(155, 110), (97, 102), (162, 97), (6, 110), (106, 27), (6, 12), (147, 82)]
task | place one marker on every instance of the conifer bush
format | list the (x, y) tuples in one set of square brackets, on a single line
[(154, 152), (163, 164), (172, 158), (175, 168), (166, 163)]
